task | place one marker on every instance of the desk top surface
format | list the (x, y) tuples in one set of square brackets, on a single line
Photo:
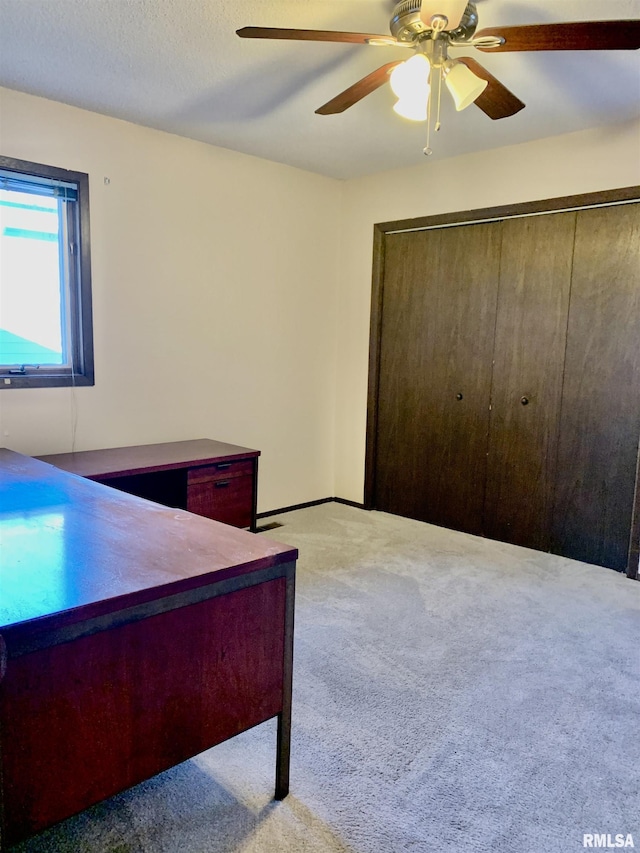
[(122, 461), (76, 549)]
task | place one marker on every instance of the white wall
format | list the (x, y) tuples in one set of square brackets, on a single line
[(232, 295), (575, 163), (214, 291)]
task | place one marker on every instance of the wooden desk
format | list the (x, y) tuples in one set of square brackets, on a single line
[(132, 637), (210, 478)]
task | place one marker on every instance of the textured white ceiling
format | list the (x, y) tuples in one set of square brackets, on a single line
[(177, 65)]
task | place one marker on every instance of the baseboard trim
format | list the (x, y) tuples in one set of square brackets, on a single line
[(349, 503), (308, 504)]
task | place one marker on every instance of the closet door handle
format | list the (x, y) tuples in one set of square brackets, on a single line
[(524, 401), (458, 396), (222, 484)]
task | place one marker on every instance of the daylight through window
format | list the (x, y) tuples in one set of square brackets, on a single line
[(45, 278)]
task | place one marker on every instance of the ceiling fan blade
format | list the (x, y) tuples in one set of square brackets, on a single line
[(453, 10), (496, 100), (312, 35), (592, 35), (358, 91)]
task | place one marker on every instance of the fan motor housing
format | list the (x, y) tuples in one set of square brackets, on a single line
[(406, 25)]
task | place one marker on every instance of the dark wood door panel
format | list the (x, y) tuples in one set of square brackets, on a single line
[(402, 438), (533, 303), (600, 420), (438, 318)]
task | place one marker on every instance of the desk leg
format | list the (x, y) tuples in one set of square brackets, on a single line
[(283, 748), (254, 500), (283, 756)]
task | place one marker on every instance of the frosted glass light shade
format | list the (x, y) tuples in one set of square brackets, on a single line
[(411, 78), (453, 10), (464, 85), (415, 109), (410, 82)]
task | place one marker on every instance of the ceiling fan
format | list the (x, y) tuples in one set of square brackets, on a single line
[(431, 28)]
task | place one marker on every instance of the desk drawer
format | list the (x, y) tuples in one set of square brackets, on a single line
[(222, 470), (226, 499)]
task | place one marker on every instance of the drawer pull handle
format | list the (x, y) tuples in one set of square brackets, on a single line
[(222, 484), (222, 465)]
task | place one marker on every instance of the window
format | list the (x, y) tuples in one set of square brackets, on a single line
[(46, 334)]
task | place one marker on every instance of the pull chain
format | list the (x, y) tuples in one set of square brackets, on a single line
[(427, 149), (437, 55)]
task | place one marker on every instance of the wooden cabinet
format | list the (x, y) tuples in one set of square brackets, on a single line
[(209, 478), (223, 491), (507, 379)]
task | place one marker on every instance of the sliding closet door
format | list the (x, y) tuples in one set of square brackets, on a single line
[(533, 303), (438, 322), (600, 421)]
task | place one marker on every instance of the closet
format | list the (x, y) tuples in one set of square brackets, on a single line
[(505, 376)]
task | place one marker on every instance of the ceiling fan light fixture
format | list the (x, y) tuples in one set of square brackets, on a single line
[(465, 86), (430, 28)]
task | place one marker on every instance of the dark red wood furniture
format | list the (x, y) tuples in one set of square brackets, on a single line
[(132, 637), (210, 478)]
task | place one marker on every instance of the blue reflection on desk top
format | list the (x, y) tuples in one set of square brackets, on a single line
[(21, 497), (67, 543)]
